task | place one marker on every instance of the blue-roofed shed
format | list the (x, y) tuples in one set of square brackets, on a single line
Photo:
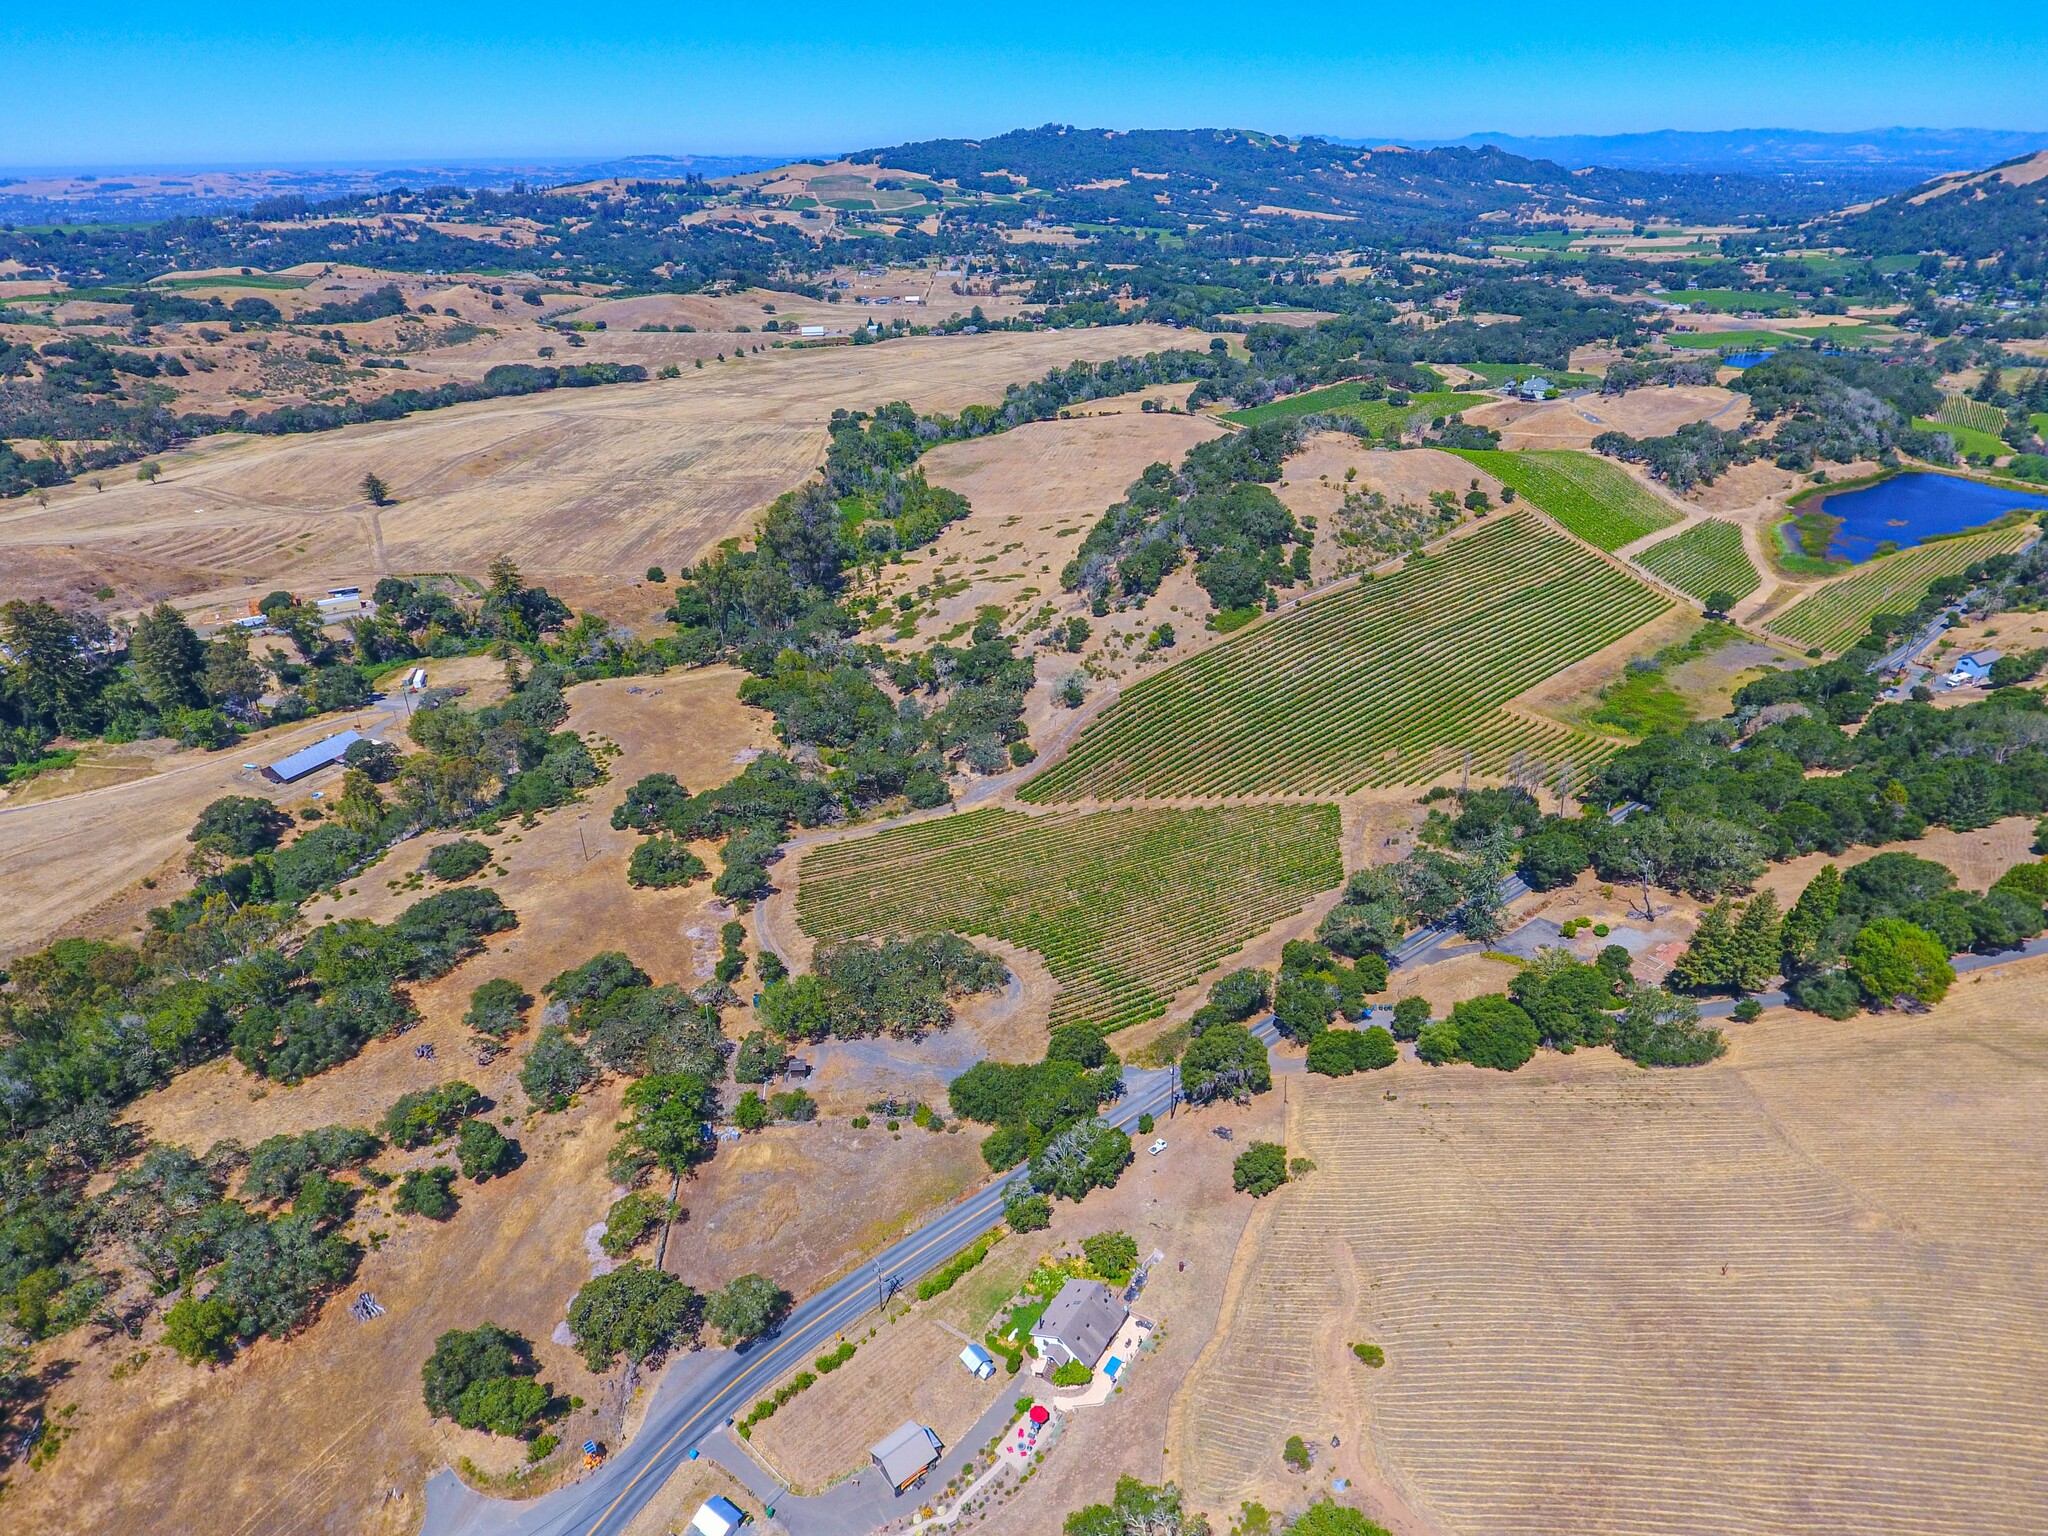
[(287, 770)]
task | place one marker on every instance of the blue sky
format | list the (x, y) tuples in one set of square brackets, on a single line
[(124, 84)]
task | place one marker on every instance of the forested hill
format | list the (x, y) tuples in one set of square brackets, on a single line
[(1167, 177), (2001, 212)]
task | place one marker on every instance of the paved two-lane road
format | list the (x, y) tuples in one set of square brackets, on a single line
[(705, 1389)]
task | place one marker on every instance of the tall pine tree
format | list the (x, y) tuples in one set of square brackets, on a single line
[(1806, 926), (1754, 950), (1708, 961)]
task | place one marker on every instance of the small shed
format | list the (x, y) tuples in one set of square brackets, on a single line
[(978, 1362), (717, 1516), (289, 770), (908, 1452)]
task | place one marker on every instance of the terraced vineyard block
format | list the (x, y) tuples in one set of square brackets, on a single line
[(1386, 682), (1602, 504), (1834, 616), (1707, 557), (1126, 906)]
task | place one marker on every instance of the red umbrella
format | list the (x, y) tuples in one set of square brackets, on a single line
[(1040, 1413)]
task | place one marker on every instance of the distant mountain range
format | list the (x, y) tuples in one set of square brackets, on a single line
[(157, 192), (1763, 151)]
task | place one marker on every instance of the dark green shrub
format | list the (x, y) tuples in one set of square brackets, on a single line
[(1260, 1169), (458, 860), (428, 1192)]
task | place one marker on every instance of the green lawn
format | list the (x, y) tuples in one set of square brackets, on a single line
[(1734, 341), (1388, 681), (1126, 906), (1735, 301), (1598, 501), (1347, 400), (1967, 439), (1501, 373), (1707, 557)]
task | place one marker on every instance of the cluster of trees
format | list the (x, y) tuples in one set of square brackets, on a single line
[(1698, 453), (642, 1313), (1807, 405), (1145, 1509), (486, 1378), (1217, 507), (900, 987), (1315, 987), (754, 812), (1880, 936), (1031, 1105), (263, 1273), (1223, 1058), (1561, 1002), (785, 609), (66, 672)]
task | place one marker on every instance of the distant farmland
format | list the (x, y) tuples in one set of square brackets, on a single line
[(1599, 502), (1834, 616), (1385, 682), (1707, 557), (1348, 400), (1126, 906)]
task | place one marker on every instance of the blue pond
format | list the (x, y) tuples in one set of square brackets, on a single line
[(1909, 508), (1747, 359)]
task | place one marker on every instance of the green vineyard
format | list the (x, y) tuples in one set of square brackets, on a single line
[(1599, 502), (1391, 681), (1962, 411), (1707, 557), (1836, 615), (1126, 906)]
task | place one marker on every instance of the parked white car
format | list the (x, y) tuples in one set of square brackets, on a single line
[(1157, 1147)]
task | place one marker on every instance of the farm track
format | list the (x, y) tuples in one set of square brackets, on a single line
[(1385, 682), (1125, 906)]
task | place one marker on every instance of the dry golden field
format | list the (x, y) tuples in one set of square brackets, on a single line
[(590, 482), (1795, 1291), (325, 1432), (1640, 413)]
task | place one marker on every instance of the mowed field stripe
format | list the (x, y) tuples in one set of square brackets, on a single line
[(1652, 1304)]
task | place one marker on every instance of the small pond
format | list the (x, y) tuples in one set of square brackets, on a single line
[(1910, 508), (1747, 359)]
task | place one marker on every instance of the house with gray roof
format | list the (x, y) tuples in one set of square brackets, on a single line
[(1080, 1324)]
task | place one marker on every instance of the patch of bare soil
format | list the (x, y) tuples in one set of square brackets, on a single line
[(1640, 413), (802, 1203)]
